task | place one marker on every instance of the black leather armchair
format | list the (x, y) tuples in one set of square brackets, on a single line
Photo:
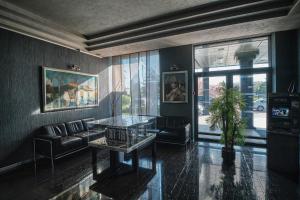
[(172, 129)]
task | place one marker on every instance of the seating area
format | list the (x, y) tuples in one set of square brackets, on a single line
[(57, 140), (150, 100)]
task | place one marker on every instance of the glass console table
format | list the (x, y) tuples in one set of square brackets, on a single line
[(123, 135), (123, 127), (123, 121), (134, 146)]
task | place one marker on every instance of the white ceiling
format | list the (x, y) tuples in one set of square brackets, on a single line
[(92, 16), (66, 22), (243, 30)]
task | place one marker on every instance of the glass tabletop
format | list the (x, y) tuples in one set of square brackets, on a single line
[(123, 146), (123, 121)]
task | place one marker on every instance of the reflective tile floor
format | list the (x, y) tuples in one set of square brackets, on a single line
[(192, 173)]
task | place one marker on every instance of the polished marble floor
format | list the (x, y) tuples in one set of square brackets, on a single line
[(195, 172)]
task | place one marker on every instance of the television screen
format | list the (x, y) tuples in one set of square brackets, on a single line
[(280, 112)]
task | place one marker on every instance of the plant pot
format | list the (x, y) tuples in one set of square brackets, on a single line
[(228, 155)]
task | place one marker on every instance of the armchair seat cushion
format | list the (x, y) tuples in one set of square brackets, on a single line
[(153, 131), (166, 135)]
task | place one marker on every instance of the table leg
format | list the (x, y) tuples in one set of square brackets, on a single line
[(94, 162), (154, 156), (135, 161), (114, 159)]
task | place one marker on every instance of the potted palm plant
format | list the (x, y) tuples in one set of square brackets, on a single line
[(225, 114)]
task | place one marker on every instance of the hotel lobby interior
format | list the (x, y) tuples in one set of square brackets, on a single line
[(150, 99)]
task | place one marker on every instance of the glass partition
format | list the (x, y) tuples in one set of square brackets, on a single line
[(135, 84)]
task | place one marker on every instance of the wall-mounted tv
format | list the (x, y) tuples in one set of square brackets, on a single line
[(280, 112)]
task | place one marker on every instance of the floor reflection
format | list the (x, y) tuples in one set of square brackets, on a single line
[(195, 172)]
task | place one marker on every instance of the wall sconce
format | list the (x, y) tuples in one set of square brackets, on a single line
[(74, 68), (174, 68)]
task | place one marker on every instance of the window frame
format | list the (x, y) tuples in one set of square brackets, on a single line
[(229, 74)]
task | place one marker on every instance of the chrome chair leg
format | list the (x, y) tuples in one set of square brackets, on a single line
[(34, 157), (52, 160)]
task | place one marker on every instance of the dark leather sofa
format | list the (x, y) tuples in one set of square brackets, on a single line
[(57, 140), (172, 129)]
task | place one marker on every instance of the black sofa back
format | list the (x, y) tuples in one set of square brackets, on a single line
[(164, 122), (56, 130), (75, 127)]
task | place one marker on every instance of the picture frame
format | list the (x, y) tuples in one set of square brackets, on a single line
[(175, 87), (65, 90)]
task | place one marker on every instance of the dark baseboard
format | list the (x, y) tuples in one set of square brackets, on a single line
[(9, 168)]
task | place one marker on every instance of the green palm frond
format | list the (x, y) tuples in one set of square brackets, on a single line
[(225, 114)]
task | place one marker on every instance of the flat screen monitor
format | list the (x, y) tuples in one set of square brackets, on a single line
[(282, 112)]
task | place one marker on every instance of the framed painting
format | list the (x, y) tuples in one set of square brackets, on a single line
[(63, 89), (175, 87)]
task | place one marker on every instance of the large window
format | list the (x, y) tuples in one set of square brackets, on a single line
[(243, 64), (135, 87), (240, 54)]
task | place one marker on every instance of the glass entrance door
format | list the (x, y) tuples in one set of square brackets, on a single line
[(254, 90), (243, 64), (208, 89)]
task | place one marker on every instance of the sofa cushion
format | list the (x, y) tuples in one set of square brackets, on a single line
[(56, 130), (89, 136), (86, 125), (71, 141), (74, 127), (167, 136)]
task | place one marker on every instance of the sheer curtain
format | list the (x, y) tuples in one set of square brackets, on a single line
[(135, 84)]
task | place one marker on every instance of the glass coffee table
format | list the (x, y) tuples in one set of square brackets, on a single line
[(133, 145), (122, 121)]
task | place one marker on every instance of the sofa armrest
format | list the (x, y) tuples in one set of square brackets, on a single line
[(44, 143), (50, 139)]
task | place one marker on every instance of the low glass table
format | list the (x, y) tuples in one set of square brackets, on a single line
[(133, 145)]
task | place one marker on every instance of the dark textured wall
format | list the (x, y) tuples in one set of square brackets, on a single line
[(181, 56), (299, 60), (284, 59), (21, 58)]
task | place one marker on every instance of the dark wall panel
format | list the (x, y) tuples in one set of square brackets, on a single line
[(285, 61), (182, 57), (21, 58), (299, 60)]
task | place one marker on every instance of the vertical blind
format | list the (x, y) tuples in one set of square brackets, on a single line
[(135, 84)]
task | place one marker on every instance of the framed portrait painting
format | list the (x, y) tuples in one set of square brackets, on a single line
[(63, 89), (175, 87)]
